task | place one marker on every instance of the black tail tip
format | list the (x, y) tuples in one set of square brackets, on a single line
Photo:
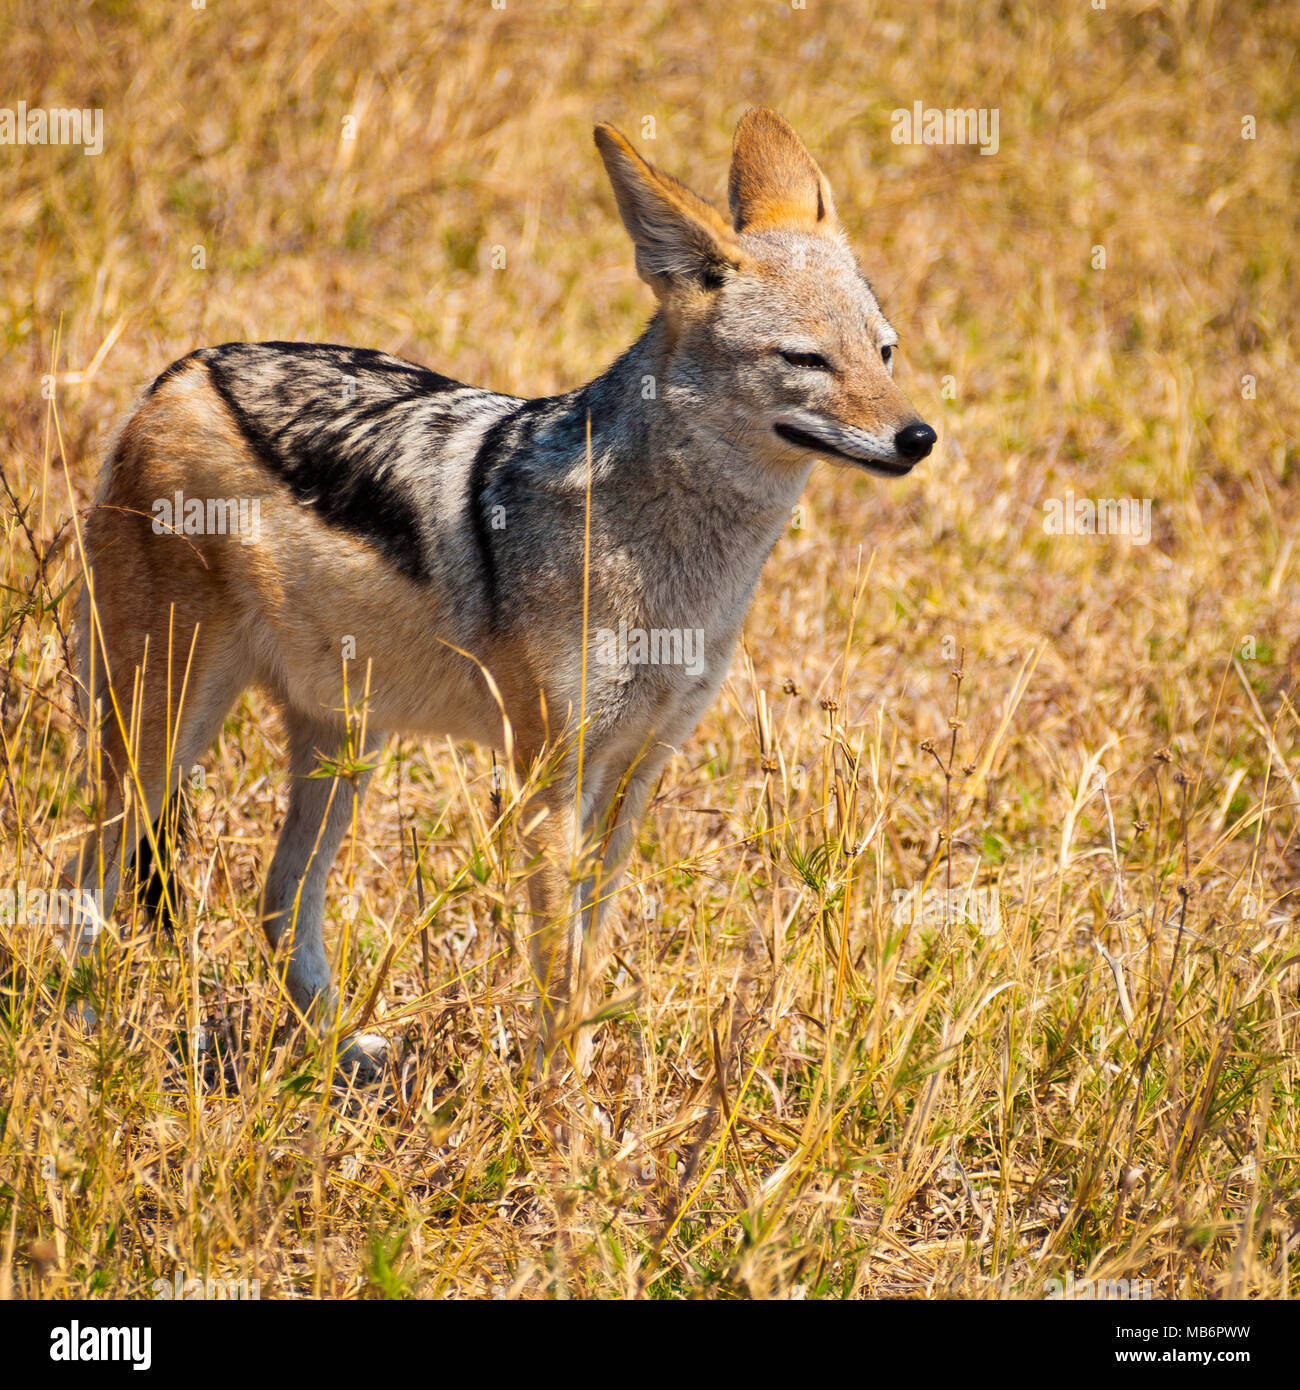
[(157, 887)]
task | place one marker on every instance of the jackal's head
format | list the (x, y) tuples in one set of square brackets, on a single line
[(774, 330)]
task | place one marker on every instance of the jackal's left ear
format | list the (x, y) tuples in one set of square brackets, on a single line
[(682, 242), (774, 181)]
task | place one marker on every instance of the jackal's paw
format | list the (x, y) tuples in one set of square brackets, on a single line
[(544, 1063), (365, 1057), (78, 938), (82, 1013)]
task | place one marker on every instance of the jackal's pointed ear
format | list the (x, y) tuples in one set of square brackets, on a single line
[(774, 181), (681, 241)]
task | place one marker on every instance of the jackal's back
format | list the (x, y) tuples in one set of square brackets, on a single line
[(368, 441)]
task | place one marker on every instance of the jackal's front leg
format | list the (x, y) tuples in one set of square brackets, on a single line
[(556, 931), (570, 893)]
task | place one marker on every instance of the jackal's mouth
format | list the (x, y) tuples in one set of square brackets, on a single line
[(801, 439)]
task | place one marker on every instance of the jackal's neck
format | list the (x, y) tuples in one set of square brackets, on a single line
[(627, 395), (665, 475)]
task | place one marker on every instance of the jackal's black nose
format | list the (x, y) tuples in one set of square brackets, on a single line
[(915, 441)]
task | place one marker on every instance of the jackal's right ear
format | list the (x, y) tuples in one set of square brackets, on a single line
[(681, 241)]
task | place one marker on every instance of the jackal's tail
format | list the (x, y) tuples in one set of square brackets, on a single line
[(156, 885)]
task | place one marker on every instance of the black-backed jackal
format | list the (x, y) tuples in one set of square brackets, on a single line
[(468, 542)]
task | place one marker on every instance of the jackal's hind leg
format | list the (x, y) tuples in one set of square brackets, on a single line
[(152, 726), (320, 812)]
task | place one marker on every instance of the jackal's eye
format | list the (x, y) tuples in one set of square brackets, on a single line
[(807, 359), (887, 354)]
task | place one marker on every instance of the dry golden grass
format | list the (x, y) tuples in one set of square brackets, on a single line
[(804, 1098)]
